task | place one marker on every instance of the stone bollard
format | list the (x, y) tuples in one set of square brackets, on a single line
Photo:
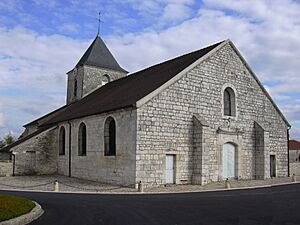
[(56, 188), (293, 178), (227, 184), (140, 187)]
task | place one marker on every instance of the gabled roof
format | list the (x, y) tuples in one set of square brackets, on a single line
[(21, 140), (99, 55), (125, 92), (294, 145)]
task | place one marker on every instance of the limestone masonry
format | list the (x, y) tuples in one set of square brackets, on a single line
[(198, 118)]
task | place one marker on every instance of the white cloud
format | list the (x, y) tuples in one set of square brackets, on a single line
[(32, 61), (174, 12), (295, 134), (266, 32), (69, 28), (162, 13), (2, 124)]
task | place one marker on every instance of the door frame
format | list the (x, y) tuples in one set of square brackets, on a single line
[(235, 161), (174, 168), (275, 165)]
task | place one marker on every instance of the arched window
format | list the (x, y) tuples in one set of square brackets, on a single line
[(75, 87), (105, 79), (110, 137), (82, 140), (62, 141), (229, 102)]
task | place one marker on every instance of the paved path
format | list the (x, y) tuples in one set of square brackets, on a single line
[(263, 206), (71, 184)]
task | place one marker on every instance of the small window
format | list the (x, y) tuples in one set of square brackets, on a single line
[(105, 79), (62, 141), (75, 87), (229, 102), (82, 140), (110, 137)]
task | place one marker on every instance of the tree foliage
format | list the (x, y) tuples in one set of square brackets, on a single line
[(7, 140)]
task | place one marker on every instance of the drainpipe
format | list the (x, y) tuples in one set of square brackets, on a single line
[(14, 163), (70, 148), (288, 149)]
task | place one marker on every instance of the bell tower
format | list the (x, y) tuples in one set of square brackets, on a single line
[(96, 68)]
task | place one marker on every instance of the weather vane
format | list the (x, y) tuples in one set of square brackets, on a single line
[(99, 23)]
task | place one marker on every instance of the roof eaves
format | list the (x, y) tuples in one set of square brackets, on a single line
[(22, 140), (46, 123), (36, 121)]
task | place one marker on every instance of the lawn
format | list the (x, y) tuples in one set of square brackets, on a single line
[(13, 206)]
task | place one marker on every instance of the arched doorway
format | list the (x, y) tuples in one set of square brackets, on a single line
[(228, 161)]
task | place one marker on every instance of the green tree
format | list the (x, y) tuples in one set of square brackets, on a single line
[(7, 140), (2, 144)]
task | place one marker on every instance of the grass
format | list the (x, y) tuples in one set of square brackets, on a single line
[(13, 206)]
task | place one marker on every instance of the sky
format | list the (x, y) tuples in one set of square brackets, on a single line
[(41, 40)]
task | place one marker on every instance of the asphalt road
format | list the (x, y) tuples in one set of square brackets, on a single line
[(264, 206)]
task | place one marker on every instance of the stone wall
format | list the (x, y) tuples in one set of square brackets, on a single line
[(6, 168), (89, 78), (294, 156), (295, 168), (93, 77), (165, 123), (5, 155), (119, 169), (37, 155), (77, 73)]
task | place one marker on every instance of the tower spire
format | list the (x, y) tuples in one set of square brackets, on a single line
[(99, 23)]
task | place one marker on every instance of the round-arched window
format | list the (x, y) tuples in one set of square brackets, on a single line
[(110, 137), (82, 140), (105, 79), (229, 102), (62, 141)]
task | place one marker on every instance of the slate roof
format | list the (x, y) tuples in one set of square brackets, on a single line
[(99, 55), (294, 145), (125, 92)]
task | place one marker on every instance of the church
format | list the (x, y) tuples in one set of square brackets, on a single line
[(194, 119)]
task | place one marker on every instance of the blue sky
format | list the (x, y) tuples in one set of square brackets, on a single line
[(41, 40)]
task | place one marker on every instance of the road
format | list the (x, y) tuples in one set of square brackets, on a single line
[(263, 206)]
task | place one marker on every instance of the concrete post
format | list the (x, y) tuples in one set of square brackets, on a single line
[(293, 178), (140, 187), (56, 188), (227, 184)]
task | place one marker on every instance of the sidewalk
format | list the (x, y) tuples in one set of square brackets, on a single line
[(67, 184)]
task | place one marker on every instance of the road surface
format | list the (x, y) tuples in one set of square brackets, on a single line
[(263, 206)]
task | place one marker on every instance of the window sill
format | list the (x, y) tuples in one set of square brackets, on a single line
[(229, 117)]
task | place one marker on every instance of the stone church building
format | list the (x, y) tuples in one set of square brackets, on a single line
[(194, 119)]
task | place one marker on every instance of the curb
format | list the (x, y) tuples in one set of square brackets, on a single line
[(34, 214), (161, 192)]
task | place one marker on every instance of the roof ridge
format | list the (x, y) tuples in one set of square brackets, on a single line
[(158, 64), (177, 57)]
